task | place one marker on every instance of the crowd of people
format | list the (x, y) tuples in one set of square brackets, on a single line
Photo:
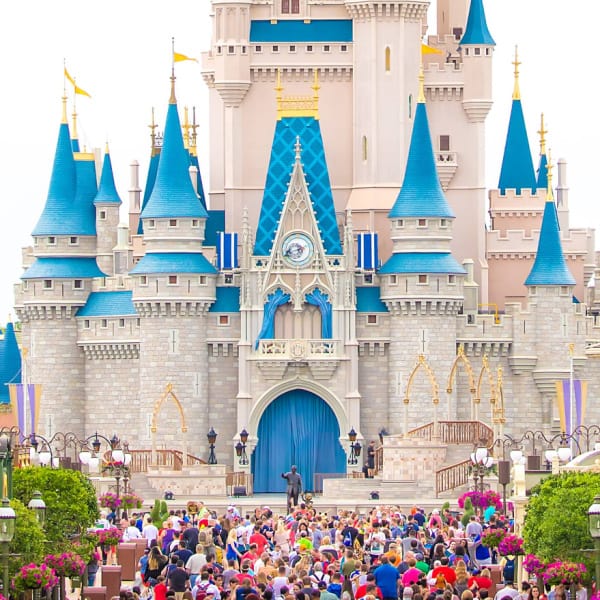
[(386, 554)]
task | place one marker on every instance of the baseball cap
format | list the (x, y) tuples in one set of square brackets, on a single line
[(322, 585)]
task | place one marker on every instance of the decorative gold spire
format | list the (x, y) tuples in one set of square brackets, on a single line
[(186, 128), (153, 130), (516, 63), (542, 133), (106, 150), (421, 96), (194, 128), (297, 106), (549, 194), (64, 109), (74, 115), (173, 99)]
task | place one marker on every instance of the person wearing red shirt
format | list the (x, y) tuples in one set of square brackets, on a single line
[(160, 589), (259, 539), (252, 555), (369, 587)]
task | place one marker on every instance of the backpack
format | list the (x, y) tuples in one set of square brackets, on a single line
[(348, 540), (201, 593)]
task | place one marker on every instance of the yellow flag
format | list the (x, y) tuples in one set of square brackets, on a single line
[(425, 49), (77, 89), (178, 57)]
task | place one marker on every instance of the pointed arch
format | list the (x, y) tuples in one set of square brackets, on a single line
[(168, 394), (422, 364), (486, 373), (462, 358)]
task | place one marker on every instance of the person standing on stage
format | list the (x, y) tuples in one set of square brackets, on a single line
[(294, 487)]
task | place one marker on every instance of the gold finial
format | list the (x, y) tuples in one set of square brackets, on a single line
[(153, 130), (421, 97), (194, 127), (64, 109), (516, 63), (106, 150), (549, 195), (297, 106), (571, 349), (172, 99), (186, 128), (542, 133)]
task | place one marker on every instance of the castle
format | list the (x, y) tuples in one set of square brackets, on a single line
[(338, 276)]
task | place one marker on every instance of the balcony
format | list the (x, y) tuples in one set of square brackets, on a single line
[(321, 357)]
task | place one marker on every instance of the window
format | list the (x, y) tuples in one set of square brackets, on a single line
[(243, 49), (365, 148), (219, 50), (104, 323), (231, 49), (223, 320), (195, 223), (285, 7), (410, 106), (533, 290), (309, 48), (86, 324), (121, 323), (73, 240), (25, 285), (202, 280), (388, 59), (400, 224), (477, 51), (258, 49), (151, 224), (78, 284), (275, 48), (422, 279), (457, 32), (51, 241), (343, 48), (143, 280), (295, 7), (393, 279), (326, 48), (368, 277), (421, 222), (172, 222), (444, 143), (443, 223), (47, 284), (371, 319), (102, 215), (172, 279), (292, 48), (451, 279), (229, 278), (564, 290)]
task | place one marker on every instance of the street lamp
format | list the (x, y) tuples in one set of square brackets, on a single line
[(212, 438), (594, 524), (7, 532), (240, 448), (38, 506), (5, 466), (355, 448), (481, 461)]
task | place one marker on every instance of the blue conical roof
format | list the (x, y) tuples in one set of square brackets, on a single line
[(550, 267), (421, 194), (107, 192), (61, 193), (542, 173), (173, 194), (517, 165), (476, 31), (83, 213), (307, 131), (10, 362)]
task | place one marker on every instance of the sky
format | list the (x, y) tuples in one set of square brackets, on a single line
[(120, 53)]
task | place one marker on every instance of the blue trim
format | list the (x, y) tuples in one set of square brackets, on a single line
[(422, 262), (228, 300), (175, 262), (368, 300), (318, 298), (476, 31), (274, 301), (323, 30), (108, 304), (10, 362), (58, 267)]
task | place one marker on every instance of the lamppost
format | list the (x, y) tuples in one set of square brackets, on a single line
[(7, 532), (5, 466), (38, 506), (212, 438), (594, 524), (481, 460), (240, 448), (355, 448)]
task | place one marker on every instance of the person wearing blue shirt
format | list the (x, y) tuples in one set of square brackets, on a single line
[(387, 578)]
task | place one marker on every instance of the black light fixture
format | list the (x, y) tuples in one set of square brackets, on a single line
[(212, 438), (96, 444), (355, 448), (244, 435), (240, 447)]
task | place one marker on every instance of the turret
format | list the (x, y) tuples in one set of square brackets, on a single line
[(10, 362), (107, 203)]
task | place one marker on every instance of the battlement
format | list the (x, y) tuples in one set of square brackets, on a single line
[(515, 243)]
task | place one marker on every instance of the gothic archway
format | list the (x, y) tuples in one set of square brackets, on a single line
[(435, 396), (168, 394), (461, 358)]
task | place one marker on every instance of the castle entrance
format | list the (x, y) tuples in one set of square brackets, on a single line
[(297, 428)]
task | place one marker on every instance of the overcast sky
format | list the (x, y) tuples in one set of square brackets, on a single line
[(120, 52)]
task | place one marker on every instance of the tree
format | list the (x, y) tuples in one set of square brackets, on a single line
[(71, 504), (28, 543), (556, 521)]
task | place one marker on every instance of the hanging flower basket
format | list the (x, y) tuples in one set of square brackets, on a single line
[(511, 545), (564, 572), (109, 500), (33, 577), (481, 499), (108, 537), (67, 564), (534, 565), (493, 537), (131, 500)]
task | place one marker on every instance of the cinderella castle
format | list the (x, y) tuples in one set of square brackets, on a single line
[(346, 272)]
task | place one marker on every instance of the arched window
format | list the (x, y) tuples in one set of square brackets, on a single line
[(388, 59), (285, 7), (365, 148), (295, 7)]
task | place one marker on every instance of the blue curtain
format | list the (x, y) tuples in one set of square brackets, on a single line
[(318, 298), (298, 428), (274, 301)]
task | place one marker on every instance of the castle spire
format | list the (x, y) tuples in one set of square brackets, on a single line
[(107, 191), (542, 172), (517, 164), (476, 31), (550, 267)]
